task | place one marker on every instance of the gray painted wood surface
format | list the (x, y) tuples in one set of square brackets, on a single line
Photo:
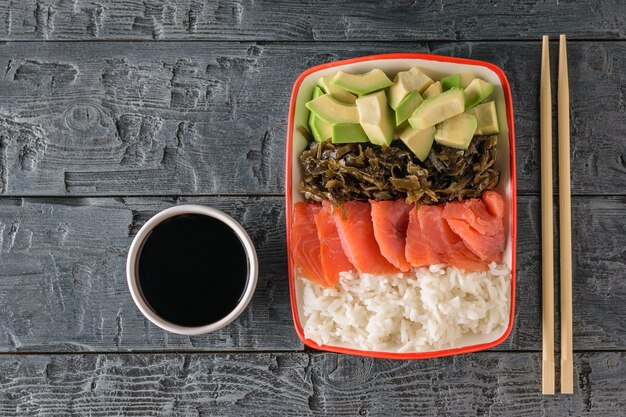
[(67, 258), (311, 20), (210, 118), (300, 384), (113, 110)]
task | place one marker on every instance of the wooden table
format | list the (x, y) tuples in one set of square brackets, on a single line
[(112, 111)]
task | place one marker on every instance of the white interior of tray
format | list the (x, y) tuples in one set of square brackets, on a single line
[(435, 70)]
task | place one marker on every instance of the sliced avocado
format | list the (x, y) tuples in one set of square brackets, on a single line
[(376, 118), (405, 83), (456, 81), (418, 141), (457, 132), (437, 109), (361, 83), (486, 117), (405, 109), (338, 93), (333, 111), (433, 90), (317, 91), (400, 128), (348, 133), (321, 129), (477, 91)]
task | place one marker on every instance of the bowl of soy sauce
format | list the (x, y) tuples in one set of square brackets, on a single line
[(192, 269)]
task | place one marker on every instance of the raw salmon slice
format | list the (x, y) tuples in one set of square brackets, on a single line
[(435, 230), (356, 233), (477, 226), (418, 250), (473, 212), (445, 242), (390, 220), (305, 245), (494, 203), (333, 258), (461, 257), (483, 246)]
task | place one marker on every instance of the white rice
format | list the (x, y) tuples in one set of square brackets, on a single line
[(424, 309)]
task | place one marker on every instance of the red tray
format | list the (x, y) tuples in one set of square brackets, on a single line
[(437, 66)]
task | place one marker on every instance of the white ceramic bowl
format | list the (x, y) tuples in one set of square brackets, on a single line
[(135, 249)]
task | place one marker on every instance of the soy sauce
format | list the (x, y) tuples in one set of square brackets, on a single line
[(192, 270)]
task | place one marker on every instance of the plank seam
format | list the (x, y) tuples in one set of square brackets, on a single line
[(288, 41)]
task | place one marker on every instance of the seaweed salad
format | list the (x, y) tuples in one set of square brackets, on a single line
[(362, 171)]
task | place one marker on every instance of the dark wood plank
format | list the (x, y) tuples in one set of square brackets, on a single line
[(103, 119), (297, 384), (315, 20), (210, 118), (63, 288), (598, 242), (63, 283)]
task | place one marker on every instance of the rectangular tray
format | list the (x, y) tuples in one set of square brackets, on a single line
[(436, 66)]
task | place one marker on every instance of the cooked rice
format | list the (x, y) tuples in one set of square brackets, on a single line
[(425, 309)]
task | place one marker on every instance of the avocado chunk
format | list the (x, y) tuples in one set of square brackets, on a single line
[(418, 141), (376, 118), (486, 117), (434, 90), (405, 83), (457, 132), (437, 109), (477, 91), (333, 111), (400, 128), (321, 129), (317, 91), (338, 93), (361, 83), (456, 81), (348, 133), (407, 106)]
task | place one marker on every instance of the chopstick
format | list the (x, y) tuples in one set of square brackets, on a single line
[(565, 224), (547, 244)]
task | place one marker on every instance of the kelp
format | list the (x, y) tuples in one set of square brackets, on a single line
[(345, 172)]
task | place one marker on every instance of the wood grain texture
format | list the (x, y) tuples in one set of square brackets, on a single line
[(599, 261), (297, 384), (210, 118), (63, 282), (312, 20), (121, 118), (63, 288)]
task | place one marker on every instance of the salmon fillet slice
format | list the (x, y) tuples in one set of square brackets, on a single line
[(445, 242), (418, 250), (473, 212), (305, 245), (494, 203), (435, 230), (476, 225), (461, 257), (356, 233), (390, 220), (483, 246), (333, 257)]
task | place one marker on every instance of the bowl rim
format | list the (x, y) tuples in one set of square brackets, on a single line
[(289, 205), (134, 252)]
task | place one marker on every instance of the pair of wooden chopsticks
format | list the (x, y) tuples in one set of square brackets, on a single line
[(565, 224)]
